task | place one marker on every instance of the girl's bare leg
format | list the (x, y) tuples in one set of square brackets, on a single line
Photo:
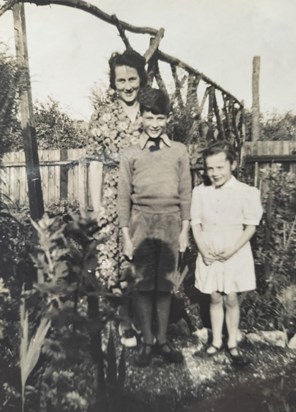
[(217, 318), (232, 318)]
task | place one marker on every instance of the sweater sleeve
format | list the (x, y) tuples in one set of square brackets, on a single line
[(124, 190), (185, 186)]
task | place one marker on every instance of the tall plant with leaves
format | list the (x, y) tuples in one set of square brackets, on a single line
[(65, 259), (273, 305)]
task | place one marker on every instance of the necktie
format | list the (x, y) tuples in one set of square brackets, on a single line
[(156, 143)]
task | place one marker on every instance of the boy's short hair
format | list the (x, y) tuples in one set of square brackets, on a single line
[(221, 146), (129, 58), (155, 101)]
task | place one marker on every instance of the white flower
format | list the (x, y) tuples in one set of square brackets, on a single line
[(106, 117)]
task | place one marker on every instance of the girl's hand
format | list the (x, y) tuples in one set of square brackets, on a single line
[(225, 254), (208, 257)]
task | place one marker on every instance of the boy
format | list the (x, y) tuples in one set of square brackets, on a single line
[(154, 196)]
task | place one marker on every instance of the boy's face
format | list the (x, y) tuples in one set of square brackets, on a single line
[(219, 169), (154, 125)]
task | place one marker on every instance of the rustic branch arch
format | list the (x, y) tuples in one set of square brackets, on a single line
[(224, 122), (207, 110)]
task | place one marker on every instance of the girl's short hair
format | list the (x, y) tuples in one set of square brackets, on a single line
[(155, 101), (129, 58), (220, 146)]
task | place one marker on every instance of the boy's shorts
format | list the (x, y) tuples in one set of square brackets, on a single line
[(155, 238)]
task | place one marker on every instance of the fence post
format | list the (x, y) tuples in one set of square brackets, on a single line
[(27, 118), (255, 96), (82, 184)]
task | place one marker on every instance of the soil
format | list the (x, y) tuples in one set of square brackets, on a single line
[(265, 383)]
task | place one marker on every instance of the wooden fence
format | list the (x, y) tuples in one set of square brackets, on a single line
[(64, 176), (265, 154)]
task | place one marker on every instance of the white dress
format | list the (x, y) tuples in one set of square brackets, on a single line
[(222, 214)]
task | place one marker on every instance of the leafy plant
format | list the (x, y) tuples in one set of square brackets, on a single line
[(274, 248), (30, 348)]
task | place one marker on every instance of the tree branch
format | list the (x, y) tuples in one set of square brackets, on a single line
[(121, 32), (173, 60), (85, 6), (154, 45)]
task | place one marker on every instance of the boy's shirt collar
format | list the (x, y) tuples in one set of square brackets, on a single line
[(144, 140)]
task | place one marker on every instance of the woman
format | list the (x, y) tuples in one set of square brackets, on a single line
[(114, 126)]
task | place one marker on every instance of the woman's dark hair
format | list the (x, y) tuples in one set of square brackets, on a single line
[(129, 58), (220, 146), (154, 101)]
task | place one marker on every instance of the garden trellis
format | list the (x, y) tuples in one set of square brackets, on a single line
[(207, 110)]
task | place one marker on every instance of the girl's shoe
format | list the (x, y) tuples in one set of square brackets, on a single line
[(210, 351), (237, 356), (169, 353), (144, 356)]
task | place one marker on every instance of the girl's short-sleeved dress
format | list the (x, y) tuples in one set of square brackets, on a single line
[(222, 213)]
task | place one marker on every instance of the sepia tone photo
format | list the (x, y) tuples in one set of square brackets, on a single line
[(147, 206)]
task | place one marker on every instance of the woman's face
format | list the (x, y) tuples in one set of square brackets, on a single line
[(127, 83)]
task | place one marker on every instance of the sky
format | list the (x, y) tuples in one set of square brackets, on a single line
[(69, 49)]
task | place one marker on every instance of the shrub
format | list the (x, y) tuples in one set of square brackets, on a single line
[(273, 304)]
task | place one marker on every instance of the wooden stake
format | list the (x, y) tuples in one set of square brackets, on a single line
[(255, 94), (27, 119)]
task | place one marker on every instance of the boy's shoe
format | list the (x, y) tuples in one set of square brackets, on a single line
[(144, 356), (169, 353), (127, 337)]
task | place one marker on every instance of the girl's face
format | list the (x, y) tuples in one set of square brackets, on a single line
[(219, 169), (127, 83)]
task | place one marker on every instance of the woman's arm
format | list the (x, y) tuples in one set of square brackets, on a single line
[(127, 243)]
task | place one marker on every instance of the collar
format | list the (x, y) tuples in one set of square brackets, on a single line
[(144, 139), (230, 184)]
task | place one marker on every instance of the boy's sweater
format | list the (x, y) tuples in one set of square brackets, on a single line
[(155, 182)]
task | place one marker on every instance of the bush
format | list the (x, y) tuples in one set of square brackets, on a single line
[(273, 306), (54, 130)]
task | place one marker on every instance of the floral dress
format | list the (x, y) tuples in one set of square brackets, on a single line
[(111, 131)]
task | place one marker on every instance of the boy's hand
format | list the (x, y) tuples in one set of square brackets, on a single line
[(183, 241), (183, 237)]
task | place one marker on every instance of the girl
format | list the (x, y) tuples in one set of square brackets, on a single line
[(224, 217)]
